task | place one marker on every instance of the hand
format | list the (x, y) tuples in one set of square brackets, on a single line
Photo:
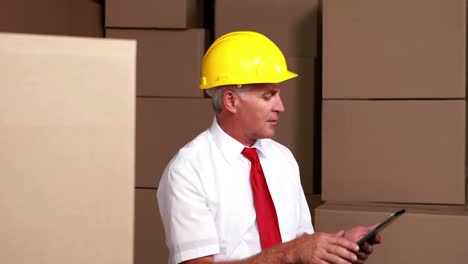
[(324, 248), (355, 233)]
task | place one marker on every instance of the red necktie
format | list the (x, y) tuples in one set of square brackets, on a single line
[(267, 220)]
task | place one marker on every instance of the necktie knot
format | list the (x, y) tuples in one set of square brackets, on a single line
[(250, 154)]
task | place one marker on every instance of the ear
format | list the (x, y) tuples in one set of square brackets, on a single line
[(230, 99)]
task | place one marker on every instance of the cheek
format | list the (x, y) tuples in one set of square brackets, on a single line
[(260, 114), (256, 114)]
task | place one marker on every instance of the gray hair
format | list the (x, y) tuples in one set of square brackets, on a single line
[(217, 94)]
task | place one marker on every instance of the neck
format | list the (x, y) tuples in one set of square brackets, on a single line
[(229, 125)]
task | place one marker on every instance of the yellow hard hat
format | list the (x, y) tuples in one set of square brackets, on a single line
[(243, 57)]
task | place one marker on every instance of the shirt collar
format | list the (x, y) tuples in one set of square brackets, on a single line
[(230, 147), (259, 145)]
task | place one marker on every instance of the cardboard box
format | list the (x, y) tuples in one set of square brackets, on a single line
[(169, 61), (164, 125), (416, 237), (292, 25), (394, 151), (56, 17), (67, 116), (296, 128), (87, 18), (155, 14), (394, 49), (150, 246)]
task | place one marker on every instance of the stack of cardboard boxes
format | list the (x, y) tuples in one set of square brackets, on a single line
[(394, 125), (293, 26), (171, 109)]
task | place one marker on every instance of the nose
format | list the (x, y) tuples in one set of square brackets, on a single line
[(278, 107)]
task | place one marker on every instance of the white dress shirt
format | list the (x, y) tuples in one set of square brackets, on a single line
[(206, 202)]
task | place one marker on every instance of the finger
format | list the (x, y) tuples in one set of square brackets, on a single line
[(332, 258), (342, 253), (377, 239), (359, 262), (345, 243), (340, 233), (367, 248), (362, 256)]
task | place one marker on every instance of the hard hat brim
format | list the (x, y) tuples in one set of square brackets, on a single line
[(283, 77)]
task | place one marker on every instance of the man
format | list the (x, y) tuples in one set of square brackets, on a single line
[(233, 194)]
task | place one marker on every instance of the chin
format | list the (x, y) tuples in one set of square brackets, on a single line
[(269, 134)]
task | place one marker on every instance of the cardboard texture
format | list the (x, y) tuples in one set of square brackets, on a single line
[(150, 246), (67, 114), (87, 18), (394, 151), (164, 125), (169, 61), (392, 206), (292, 25), (416, 237), (296, 126), (394, 49), (56, 17), (155, 14)]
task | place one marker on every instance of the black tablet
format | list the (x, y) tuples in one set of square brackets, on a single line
[(380, 226)]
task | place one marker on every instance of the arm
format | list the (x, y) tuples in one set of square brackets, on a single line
[(315, 248), (189, 227)]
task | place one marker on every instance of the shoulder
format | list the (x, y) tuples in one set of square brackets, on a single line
[(190, 161), (192, 152)]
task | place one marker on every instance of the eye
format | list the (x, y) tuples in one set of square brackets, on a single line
[(268, 96)]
